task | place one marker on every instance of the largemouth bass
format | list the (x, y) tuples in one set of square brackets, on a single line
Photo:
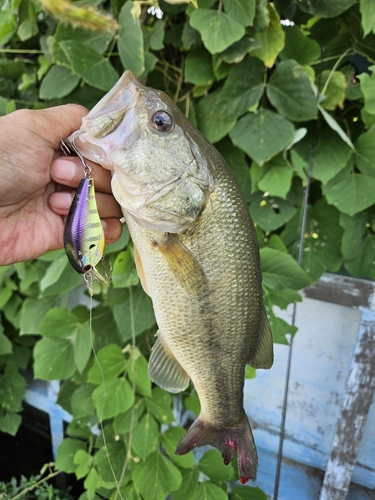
[(196, 254)]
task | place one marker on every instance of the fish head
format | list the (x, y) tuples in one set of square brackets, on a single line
[(160, 175)]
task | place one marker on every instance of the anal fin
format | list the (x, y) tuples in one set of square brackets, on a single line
[(263, 357), (183, 264), (164, 369)]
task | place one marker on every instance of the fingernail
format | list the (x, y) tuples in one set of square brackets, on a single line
[(64, 169), (61, 200), (104, 224)]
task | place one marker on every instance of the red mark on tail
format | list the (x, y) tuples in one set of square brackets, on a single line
[(244, 480)]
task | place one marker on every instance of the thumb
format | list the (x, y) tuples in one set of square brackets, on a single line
[(59, 121)]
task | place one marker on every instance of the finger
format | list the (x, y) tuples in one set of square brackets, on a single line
[(68, 171), (112, 230), (60, 202)]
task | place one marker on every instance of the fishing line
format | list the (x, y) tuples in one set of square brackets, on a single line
[(89, 282), (132, 415), (301, 246)]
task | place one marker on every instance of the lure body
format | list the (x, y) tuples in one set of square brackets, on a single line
[(83, 233)]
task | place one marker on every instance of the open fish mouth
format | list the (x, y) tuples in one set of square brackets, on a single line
[(112, 123)]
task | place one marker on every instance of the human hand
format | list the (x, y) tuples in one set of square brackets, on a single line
[(37, 183)]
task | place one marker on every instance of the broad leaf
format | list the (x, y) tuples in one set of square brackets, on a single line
[(270, 40), (280, 271), (335, 126), (108, 364), (170, 440), (65, 454), (213, 466), (242, 89), (58, 83), (270, 212), (213, 126), (189, 485), (368, 89), (160, 405), (242, 11), (210, 491), (248, 493), (334, 89), (145, 436), (365, 152), (366, 8), (198, 67), (299, 47), (351, 194), (81, 401), (262, 135), (323, 8), (10, 423), (12, 388), (277, 178), (156, 477), (217, 29), (32, 312), (288, 87), (92, 67), (130, 41), (54, 359), (113, 397)]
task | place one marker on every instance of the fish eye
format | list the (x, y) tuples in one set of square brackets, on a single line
[(162, 121)]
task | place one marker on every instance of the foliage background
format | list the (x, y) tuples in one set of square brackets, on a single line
[(285, 91)]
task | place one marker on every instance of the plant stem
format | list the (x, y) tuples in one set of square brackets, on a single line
[(41, 481)]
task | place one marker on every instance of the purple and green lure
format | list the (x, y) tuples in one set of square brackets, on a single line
[(83, 233)]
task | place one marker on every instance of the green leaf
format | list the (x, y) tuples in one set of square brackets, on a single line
[(59, 322), (157, 35), (368, 89), (279, 327), (210, 491), (262, 135), (84, 461), (58, 83), (270, 212), (10, 423), (54, 359), (277, 178), (189, 485), (269, 41), (6, 346), (130, 41), (96, 40), (335, 126), (330, 154), (213, 466), (137, 306), (242, 89), (299, 47), (110, 459), (248, 493), (242, 11), (156, 477), (92, 67), (323, 8), (83, 340), (366, 8), (358, 246), (282, 298), (81, 401), (145, 436), (12, 388), (213, 126), (108, 364), (365, 152), (352, 194), (138, 369), (113, 397), (198, 67), (160, 405), (288, 87), (335, 90), (65, 454), (217, 29), (170, 439), (280, 270), (32, 312), (125, 422)]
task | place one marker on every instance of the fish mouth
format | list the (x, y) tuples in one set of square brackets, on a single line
[(111, 124)]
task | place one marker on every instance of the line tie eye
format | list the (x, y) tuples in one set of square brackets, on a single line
[(162, 121)]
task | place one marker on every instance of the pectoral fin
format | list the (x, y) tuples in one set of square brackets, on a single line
[(164, 369), (140, 270), (183, 264), (263, 357)]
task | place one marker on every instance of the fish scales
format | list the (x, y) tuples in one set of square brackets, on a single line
[(196, 254)]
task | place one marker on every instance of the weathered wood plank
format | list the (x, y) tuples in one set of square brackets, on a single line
[(354, 410)]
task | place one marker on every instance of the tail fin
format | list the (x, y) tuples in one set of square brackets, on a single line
[(228, 440)]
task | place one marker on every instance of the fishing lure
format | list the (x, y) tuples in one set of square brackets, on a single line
[(83, 233)]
